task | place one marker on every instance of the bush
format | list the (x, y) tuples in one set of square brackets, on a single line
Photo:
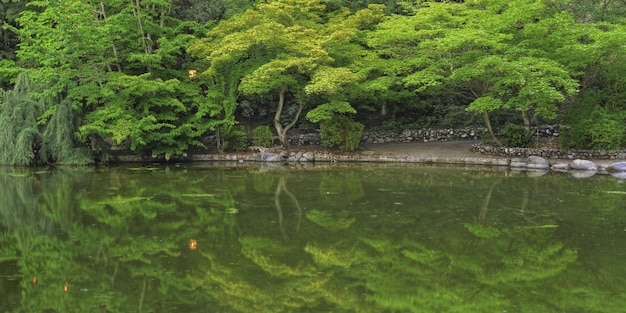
[(235, 139), (605, 130), (342, 132), (262, 136), (515, 135), (599, 129)]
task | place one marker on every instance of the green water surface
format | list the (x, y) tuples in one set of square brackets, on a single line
[(349, 238)]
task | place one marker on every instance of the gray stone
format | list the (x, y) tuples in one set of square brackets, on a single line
[(309, 156), (617, 167), (296, 156), (537, 162), (518, 163), (534, 159), (584, 165), (270, 157)]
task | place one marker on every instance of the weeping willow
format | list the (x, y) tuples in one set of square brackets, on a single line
[(24, 141), (59, 143), (20, 138)]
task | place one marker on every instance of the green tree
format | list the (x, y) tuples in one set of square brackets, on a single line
[(20, 139), (9, 12), (129, 85), (281, 48), (472, 49)]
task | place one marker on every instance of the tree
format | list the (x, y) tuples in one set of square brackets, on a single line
[(20, 139), (470, 50), (9, 12), (129, 85), (282, 48)]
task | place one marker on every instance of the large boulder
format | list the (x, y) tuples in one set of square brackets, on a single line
[(537, 162), (583, 165)]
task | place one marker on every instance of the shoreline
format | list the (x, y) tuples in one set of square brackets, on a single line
[(440, 152)]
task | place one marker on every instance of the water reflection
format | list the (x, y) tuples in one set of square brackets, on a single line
[(319, 239)]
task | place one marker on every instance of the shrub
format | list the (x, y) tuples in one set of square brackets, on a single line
[(599, 129), (235, 139), (342, 132), (515, 135), (605, 130), (262, 136)]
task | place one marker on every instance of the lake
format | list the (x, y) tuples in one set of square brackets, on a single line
[(329, 238)]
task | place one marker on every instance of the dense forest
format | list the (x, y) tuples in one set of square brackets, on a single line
[(157, 76)]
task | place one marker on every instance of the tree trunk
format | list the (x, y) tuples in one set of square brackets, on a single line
[(488, 124), (526, 120), (280, 130), (103, 15)]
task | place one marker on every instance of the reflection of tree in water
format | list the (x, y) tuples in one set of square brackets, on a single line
[(121, 258), (134, 254), (281, 189), (37, 207)]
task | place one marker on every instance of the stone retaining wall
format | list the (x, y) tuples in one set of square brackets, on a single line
[(423, 135), (420, 135), (408, 135), (551, 153)]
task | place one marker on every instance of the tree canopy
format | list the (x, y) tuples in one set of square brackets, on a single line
[(158, 78)]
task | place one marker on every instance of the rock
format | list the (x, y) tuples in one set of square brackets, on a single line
[(583, 165), (617, 167), (537, 162), (309, 156), (270, 157), (297, 156)]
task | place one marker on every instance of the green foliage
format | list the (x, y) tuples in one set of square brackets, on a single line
[(262, 136), (149, 115), (282, 48), (20, 138), (326, 111), (595, 128), (341, 132), (235, 139), (515, 135), (418, 67), (59, 142)]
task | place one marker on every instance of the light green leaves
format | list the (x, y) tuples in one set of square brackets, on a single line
[(329, 80), (326, 111), (485, 104)]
